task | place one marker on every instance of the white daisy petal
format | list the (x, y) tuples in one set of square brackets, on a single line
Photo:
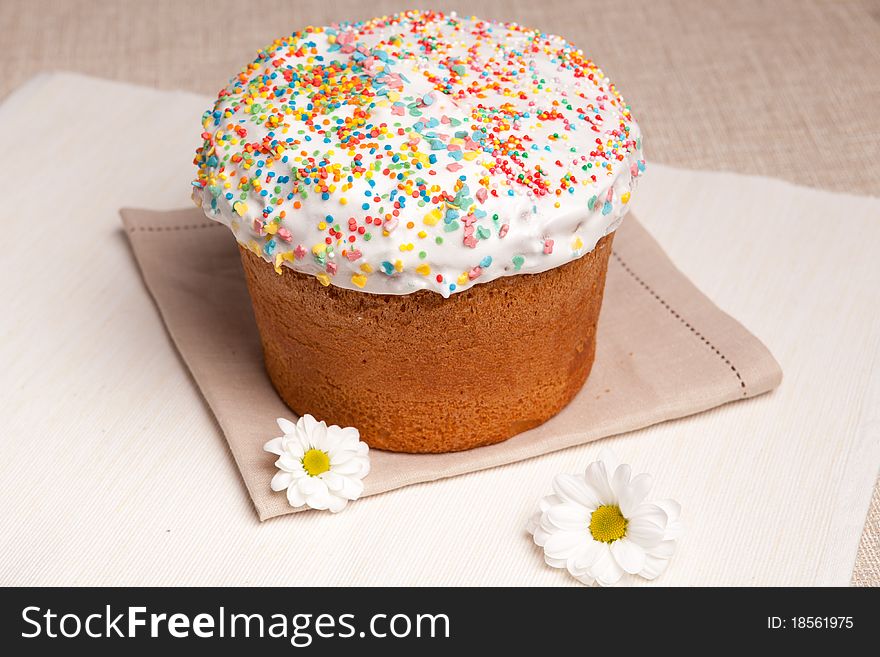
[(351, 488), (564, 544), (532, 522), (554, 563), (280, 481), (337, 504), (545, 503), (569, 517), (654, 567), (308, 423), (597, 477), (274, 446), (650, 512), (585, 579), (311, 485), (286, 426), (334, 480), (634, 494), (585, 558), (350, 467), (647, 528), (606, 571), (540, 535), (674, 526), (288, 463), (575, 489), (294, 497), (629, 555), (663, 550), (316, 492), (620, 479)]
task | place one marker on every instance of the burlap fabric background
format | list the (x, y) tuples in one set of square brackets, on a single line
[(788, 89)]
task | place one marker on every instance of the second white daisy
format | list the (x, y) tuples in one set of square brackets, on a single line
[(598, 525), (319, 466)]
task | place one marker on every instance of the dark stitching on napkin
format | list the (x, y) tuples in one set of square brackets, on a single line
[(151, 229), (675, 314)]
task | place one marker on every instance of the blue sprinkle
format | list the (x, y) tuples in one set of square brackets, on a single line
[(607, 207), (485, 262)]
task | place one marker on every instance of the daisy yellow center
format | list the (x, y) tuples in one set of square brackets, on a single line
[(315, 462), (607, 524)]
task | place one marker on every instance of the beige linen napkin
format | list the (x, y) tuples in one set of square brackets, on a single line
[(664, 351)]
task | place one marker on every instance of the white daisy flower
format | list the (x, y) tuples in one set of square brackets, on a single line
[(320, 466), (598, 525)]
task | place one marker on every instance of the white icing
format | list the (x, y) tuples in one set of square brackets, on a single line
[(532, 220)]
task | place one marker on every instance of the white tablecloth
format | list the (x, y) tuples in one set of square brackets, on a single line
[(110, 458)]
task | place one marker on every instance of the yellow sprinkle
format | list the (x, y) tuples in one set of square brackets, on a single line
[(323, 278), (278, 259), (343, 201), (318, 249), (423, 269), (358, 279), (398, 265), (366, 268), (578, 243), (322, 225), (470, 155), (433, 217), (422, 234), (271, 228), (624, 198), (463, 278), (239, 208)]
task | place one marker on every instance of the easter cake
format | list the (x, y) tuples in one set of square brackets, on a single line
[(425, 206)]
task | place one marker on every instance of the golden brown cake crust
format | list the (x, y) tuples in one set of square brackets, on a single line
[(420, 373)]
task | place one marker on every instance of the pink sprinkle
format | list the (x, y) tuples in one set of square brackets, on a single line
[(503, 230), (258, 227), (331, 268), (391, 224), (634, 170), (455, 166), (475, 272), (397, 110), (548, 246), (444, 119), (300, 252), (284, 234), (482, 194), (353, 255), (610, 194)]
